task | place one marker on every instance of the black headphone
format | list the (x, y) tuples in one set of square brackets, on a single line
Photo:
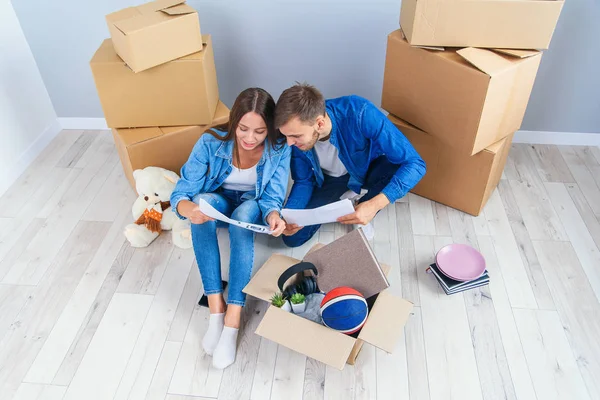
[(307, 286)]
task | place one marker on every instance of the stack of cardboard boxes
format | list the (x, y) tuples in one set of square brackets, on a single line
[(457, 80), (157, 83)]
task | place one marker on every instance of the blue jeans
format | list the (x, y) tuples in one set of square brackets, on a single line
[(379, 175), (206, 245)]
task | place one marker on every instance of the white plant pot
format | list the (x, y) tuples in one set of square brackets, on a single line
[(299, 308), (286, 307)]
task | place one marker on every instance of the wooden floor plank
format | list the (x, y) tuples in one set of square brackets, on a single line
[(518, 286), (36, 174), (511, 341), (576, 305), (583, 243), (551, 362), (31, 328), (451, 364), (583, 177), (110, 348), (530, 261)]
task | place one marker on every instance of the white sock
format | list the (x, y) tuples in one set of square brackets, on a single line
[(211, 338), (225, 352)]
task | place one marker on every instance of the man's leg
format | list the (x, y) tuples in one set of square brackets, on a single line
[(378, 176), (330, 192)]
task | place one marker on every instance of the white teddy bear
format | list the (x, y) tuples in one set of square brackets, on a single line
[(152, 209)]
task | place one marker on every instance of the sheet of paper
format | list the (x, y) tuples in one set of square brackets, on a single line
[(213, 213), (321, 215)]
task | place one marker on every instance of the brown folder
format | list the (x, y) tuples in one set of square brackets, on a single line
[(349, 261)]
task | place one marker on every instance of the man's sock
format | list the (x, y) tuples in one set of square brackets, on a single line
[(225, 352), (211, 338)]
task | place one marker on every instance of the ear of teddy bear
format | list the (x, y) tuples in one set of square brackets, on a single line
[(136, 174), (171, 176)]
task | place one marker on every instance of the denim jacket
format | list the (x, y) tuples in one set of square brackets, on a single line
[(211, 163), (361, 133)]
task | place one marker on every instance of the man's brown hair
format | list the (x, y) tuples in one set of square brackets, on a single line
[(301, 100)]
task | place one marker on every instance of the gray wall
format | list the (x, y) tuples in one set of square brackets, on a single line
[(338, 45)]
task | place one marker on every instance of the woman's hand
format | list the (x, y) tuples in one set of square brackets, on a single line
[(192, 212), (276, 224)]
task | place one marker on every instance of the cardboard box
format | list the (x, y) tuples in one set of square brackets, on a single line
[(155, 33), (165, 147), (517, 24), (318, 341), (458, 181), (468, 98), (180, 92)]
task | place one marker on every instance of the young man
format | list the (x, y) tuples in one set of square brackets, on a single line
[(340, 144)]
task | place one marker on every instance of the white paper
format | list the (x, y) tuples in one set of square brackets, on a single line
[(210, 211), (321, 215)]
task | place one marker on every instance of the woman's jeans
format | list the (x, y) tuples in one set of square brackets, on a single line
[(206, 246)]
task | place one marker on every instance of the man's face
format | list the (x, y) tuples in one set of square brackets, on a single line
[(303, 136)]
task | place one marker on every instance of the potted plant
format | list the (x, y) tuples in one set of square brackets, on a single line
[(298, 303), (279, 300)]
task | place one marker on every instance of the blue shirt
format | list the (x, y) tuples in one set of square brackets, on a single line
[(361, 133), (211, 163)]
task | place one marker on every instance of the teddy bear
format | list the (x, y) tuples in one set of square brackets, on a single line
[(152, 210)]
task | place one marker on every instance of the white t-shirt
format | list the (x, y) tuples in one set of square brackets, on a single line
[(243, 180), (329, 159)]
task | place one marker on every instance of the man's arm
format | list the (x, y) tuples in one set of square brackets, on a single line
[(398, 150)]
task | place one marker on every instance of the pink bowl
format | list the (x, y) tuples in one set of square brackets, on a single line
[(460, 262)]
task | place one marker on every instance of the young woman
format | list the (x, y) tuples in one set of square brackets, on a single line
[(241, 169)]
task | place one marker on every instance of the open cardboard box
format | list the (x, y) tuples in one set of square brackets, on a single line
[(383, 328), (167, 147), (468, 98), (155, 33), (177, 93), (462, 182), (515, 24)]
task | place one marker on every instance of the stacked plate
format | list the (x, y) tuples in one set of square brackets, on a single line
[(459, 267)]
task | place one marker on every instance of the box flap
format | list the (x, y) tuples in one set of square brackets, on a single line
[(386, 320), (263, 284), (158, 5), (306, 337), (517, 53), (130, 25), (131, 136), (180, 9), (486, 61)]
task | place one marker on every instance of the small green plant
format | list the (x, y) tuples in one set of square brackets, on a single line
[(297, 298), (278, 300)]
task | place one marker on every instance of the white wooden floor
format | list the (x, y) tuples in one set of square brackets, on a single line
[(84, 316)]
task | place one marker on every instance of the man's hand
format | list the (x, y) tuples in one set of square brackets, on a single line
[(291, 229), (192, 212), (365, 212), (276, 224)]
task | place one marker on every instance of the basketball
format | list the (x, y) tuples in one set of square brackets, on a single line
[(344, 309)]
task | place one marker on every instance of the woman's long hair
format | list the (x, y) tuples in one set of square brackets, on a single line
[(251, 100)]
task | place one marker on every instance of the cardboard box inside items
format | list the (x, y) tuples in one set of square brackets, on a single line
[(459, 181), (178, 93), (155, 33), (515, 24), (383, 328), (166, 147), (467, 98)]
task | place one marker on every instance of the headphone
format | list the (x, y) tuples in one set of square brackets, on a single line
[(307, 286)]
